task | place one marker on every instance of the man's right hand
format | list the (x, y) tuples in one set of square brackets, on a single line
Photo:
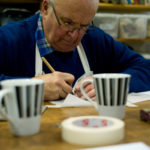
[(57, 85)]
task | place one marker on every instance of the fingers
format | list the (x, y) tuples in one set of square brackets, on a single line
[(77, 88), (90, 94), (64, 80), (89, 90), (51, 93), (78, 85), (69, 78), (65, 76), (66, 87), (57, 85), (62, 93), (54, 94)]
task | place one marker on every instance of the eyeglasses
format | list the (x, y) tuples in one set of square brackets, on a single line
[(69, 25)]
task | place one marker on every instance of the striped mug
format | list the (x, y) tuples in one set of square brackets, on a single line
[(111, 93), (21, 104)]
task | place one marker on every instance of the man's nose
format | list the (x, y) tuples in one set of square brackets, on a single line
[(74, 33)]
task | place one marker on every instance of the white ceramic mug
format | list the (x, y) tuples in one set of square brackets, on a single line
[(111, 93), (22, 105)]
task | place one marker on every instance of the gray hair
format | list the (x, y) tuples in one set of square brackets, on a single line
[(95, 2)]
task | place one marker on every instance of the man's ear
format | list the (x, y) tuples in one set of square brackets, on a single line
[(45, 7)]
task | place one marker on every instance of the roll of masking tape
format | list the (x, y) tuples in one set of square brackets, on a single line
[(92, 130)]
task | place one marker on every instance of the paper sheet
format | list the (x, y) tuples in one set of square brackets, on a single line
[(70, 101), (74, 101), (139, 97), (130, 146)]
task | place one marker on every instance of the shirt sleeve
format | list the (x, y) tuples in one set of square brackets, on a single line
[(112, 56), (126, 60)]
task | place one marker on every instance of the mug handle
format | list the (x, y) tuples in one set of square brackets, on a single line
[(85, 95), (2, 108)]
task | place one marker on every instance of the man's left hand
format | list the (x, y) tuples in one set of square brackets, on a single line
[(88, 87)]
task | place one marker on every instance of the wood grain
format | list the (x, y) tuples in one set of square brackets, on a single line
[(49, 137)]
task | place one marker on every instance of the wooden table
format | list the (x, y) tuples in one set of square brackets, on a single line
[(49, 137)]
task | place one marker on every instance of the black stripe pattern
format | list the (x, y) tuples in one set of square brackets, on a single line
[(29, 100), (111, 91)]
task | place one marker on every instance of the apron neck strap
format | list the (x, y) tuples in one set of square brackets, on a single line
[(83, 58)]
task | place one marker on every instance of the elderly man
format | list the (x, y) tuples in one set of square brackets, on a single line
[(63, 33)]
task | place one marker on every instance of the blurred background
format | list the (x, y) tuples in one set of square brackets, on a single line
[(127, 21), (15, 10)]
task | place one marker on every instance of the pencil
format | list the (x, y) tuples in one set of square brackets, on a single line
[(48, 64)]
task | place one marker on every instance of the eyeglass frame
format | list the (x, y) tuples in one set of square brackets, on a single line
[(72, 26)]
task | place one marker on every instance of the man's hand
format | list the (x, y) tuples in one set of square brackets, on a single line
[(89, 89), (57, 85)]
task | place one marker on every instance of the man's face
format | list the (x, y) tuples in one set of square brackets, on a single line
[(74, 17)]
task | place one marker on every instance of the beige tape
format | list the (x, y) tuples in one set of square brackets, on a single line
[(92, 130)]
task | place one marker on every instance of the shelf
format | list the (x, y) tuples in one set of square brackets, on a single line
[(134, 40), (19, 1), (123, 7)]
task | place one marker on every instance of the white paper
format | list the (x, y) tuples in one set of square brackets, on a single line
[(74, 101), (139, 97), (44, 107), (130, 104), (130, 146), (70, 101)]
